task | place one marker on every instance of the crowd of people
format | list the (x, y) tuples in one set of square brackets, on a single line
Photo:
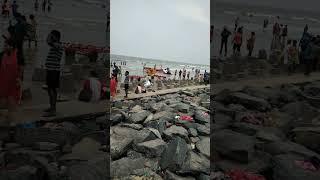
[(12, 8), (292, 52)]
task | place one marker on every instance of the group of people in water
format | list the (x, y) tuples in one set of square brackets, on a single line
[(290, 51)]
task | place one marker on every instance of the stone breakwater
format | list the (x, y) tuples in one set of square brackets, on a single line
[(267, 131), (161, 137), (56, 151)]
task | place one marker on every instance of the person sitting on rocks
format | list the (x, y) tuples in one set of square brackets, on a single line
[(93, 84), (139, 89)]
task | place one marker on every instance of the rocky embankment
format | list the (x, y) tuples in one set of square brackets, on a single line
[(56, 151), (273, 133), (161, 137)]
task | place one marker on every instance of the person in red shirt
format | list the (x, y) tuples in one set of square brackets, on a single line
[(237, 41), (113, 86), (10, 78)]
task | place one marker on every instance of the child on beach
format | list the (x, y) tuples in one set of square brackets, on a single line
[(126, 83), (285, 52), (293, 57), (53, 67), (32, 31), (250, 43)]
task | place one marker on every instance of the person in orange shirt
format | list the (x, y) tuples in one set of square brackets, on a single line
[(113, 87)]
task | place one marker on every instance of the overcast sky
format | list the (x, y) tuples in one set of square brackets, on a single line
[(290, 4), (175, 30)]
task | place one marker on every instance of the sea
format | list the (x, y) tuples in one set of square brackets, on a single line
[(135, 65)]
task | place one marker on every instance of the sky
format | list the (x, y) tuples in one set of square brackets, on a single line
[(288, 4), (174, 30)]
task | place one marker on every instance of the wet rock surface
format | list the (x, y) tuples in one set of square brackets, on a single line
[(273, 132), (166, 137), (75, 149)]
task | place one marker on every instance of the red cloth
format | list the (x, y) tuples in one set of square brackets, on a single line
[(113, 87), (9, 74)]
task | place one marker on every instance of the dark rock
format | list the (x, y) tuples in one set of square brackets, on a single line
[(270, 135), (181, 107), (203, 147), (139, 117), (285, 169), (125, 166), (260, 162), (195, 164), (24, 172), (308, 136), (220, 118), (174, 155), (203, 130), (250, 101), (143, 136), (85, 171), (233, 145), (145, 173), (153, 148), (134, 154), (132, 126), (119, 145), (245, 128), (28, 137), (277, 148), (171, 176), (116, 118), (193, 132), (45, 146), (203, 177), (157, 107), (302, 112), (160, 125), (176, 131)]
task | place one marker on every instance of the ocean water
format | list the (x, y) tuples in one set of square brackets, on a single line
[(135, 65)]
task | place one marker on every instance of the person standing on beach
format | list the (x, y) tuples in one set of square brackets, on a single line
[(49, 6), (175, 74), (237, 41), (184, 74), (265, 24), (276, 37), (14, 8), (180, 72), (53, 67), (188, 75), (284, 33), (224, 41), (36, 5), (113, 87), (285, 52), (6, 9), (250, 43), (307, 56), (32, 32), (211, 33), (293, 57), (44, 5), (9, 78), (126, 83)]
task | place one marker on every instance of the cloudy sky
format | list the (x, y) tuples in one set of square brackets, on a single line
[(175, 30), (290, 4)]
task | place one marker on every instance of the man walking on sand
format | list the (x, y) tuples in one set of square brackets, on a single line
[(53, 66)]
